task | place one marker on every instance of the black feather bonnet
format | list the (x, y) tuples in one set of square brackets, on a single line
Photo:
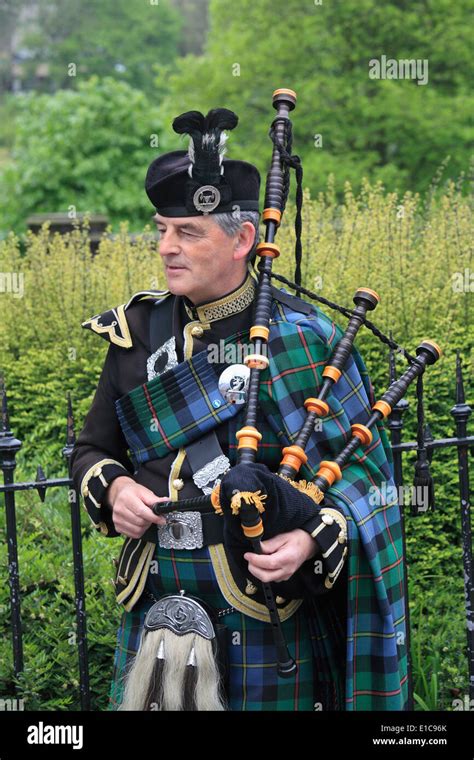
[(200, 180)]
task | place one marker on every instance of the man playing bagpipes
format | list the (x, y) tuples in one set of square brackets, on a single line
[(245, 585)]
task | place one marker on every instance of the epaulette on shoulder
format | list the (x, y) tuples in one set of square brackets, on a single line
[(112, 324), (293, 302)]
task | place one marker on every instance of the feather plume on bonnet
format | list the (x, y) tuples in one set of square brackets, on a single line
[(207, 144)]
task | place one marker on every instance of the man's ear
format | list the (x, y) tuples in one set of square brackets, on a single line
[(244, 241)]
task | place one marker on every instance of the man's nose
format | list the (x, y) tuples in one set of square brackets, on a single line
[(168, 243)]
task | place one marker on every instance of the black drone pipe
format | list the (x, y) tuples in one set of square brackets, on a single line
[(428, 352), (248, 436)]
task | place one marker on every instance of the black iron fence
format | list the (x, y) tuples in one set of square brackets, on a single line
[(9, 446)]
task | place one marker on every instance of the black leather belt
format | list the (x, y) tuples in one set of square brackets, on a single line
[(184, 529), (213, 528)]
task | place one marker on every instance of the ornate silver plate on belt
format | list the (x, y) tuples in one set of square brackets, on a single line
[(183, 530)]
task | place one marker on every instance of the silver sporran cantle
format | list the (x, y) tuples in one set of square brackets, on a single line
[(178, 665)]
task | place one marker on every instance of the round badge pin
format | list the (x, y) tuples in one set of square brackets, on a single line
[(233, 383), (206, 198)]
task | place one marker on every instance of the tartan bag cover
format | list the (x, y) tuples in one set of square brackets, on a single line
[(179, 406)]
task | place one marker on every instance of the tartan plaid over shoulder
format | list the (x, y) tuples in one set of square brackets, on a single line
[(299, 347)]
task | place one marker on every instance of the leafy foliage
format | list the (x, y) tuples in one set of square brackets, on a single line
[(50, 678), (81, 150)]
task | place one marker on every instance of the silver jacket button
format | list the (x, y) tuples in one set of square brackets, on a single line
[(178, 483)]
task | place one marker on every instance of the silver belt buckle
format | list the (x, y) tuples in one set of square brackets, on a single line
[(183, 530)]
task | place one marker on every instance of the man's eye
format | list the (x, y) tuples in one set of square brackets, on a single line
[(186, 233)]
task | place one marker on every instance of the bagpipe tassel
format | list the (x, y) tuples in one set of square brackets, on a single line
[(248, 497)]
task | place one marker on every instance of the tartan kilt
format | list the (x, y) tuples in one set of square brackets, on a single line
[(253, 680)]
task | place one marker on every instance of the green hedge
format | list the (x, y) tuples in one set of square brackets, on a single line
[(407, 250)]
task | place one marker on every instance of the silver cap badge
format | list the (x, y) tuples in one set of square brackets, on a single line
[(206, 198)]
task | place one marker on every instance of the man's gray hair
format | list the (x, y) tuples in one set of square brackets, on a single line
[(231, 223)]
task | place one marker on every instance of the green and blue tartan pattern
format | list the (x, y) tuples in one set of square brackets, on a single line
[(299, 347), (174, 408), (253, 680)]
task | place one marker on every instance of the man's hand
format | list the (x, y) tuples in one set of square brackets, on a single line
[(283, 555), (131, 506)]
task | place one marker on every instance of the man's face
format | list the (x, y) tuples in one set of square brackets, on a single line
[(201, 261)]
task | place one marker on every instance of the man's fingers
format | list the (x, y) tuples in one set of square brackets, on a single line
[(148, 499), (278, 566), (293, 549), (277, 552), (135, 512), (138, 513), (273, 544), (265, 561), (128, 529), (134, 504), (269, 576), (271, 568), (132, 526), (151, 517)]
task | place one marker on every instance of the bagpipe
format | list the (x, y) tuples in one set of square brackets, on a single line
[(248, 511)]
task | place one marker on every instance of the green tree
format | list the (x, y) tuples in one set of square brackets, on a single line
[(119, 38), (194, 14), (394, 130), (87, 148)]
